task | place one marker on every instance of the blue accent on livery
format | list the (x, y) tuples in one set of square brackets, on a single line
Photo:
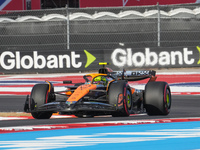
[(165, 136)]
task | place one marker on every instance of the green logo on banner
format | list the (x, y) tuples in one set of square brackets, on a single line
[(90, 58), (198, 48)]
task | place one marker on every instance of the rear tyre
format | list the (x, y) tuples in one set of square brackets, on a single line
[(40, 95), (157, 98), (120, 96), (41, 115)]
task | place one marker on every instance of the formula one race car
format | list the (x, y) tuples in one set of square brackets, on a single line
[(103, 93)]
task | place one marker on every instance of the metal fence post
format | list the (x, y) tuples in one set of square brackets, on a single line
[(68, 42), (158, 8)]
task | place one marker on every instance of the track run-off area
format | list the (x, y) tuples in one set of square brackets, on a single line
[(179, 130)]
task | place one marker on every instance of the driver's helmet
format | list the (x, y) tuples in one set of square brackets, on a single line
[(100, 80)]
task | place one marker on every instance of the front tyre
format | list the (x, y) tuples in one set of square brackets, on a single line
[(120, 96), (157, 98), (41, 115), (40, 95)]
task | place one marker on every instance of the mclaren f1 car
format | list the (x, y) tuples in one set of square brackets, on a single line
[(104, 93)]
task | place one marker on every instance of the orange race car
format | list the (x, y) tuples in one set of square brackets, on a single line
[(103, 93)]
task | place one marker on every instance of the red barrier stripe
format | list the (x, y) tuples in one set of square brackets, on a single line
[(88, 125)]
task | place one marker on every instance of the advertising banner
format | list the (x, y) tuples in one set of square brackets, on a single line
[(84, 60), (119, 3), (48, 61), (19, 4), (176, 57)]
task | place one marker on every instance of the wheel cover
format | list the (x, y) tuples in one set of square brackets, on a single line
[(168, 99), (128, 99)]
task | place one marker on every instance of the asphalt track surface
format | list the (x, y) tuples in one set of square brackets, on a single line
[(183, 106)]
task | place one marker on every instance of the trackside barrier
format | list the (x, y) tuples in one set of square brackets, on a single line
[(62, 61)]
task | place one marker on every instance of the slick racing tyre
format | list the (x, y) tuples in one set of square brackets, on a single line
[(120, 96), (40, 95), (157, 98)]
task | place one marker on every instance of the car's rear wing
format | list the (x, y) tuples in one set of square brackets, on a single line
[(134, 75)]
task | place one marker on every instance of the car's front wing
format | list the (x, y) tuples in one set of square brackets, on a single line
[(70, 108)]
